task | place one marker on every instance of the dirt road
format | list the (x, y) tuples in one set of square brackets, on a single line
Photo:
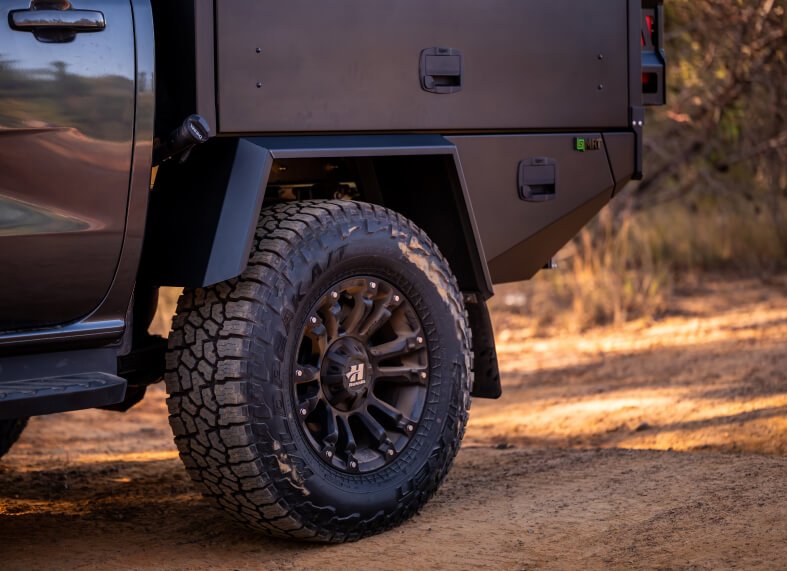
[(653, 445)]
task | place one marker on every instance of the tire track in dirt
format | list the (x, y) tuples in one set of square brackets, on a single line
[(576, 485)]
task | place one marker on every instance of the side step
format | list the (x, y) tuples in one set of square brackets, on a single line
[(20, 399), (57, 382)]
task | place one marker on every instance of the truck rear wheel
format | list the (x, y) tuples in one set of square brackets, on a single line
[(9, 433), (323, 394)]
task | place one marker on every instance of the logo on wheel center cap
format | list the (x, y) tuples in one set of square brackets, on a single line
[(355, 376)]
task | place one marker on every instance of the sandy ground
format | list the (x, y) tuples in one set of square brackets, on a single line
[(652, 445)]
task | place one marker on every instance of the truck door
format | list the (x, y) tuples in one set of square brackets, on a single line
[(67, 72)]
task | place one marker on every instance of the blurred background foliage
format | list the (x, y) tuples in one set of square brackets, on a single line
[(714, 196)]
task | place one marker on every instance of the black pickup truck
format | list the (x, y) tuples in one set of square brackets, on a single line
[(336, 186)]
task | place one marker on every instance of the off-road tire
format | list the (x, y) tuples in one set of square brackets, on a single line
[(230, 370), (9, 433)]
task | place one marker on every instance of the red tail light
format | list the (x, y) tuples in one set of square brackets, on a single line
[(653, 87)]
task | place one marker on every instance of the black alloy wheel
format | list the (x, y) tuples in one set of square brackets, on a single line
[(361, 374)]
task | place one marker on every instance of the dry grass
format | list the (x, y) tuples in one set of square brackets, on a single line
[(624, 266), (608, 274)]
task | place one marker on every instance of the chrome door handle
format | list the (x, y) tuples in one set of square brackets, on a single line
[(66, 20)]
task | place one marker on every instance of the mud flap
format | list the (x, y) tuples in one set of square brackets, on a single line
[(487, 375)]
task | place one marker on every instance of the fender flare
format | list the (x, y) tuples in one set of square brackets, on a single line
[(203, 213)]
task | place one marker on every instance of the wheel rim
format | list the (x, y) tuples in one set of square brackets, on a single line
[(361, 374)]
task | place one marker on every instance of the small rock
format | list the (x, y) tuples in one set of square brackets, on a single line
[(504, 446), (643, 426)]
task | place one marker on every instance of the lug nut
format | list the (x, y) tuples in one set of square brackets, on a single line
[(353, 464), (313, 320), (298, 373), (372, 285), (396, 299), (419, 339), (410, 428), (335, 294), (329, 454), (423, 374), (390, 452), (303, 412)]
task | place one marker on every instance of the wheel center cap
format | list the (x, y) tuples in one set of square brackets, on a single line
[(346, 373), (355, 376)]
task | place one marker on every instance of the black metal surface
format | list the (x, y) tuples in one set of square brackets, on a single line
[(203, 214), (620, 152), (185, 61), (57, 364), (145, 363), (205, 60), (56, 382), (524, 259), (66, 142), (351, 65), (91, 332), (195, 223), (361, 374), (504, 220), (486, 374), (637, 125), (20, 399), (417, 175), (176, 93)]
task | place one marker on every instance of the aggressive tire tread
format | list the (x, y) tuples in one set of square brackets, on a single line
[(212, 377)]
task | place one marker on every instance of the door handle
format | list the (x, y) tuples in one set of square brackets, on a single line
[(538, 179), (66, 20), (441, 70)]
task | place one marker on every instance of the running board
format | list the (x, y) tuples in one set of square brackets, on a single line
[(19, 399), (58, 382)]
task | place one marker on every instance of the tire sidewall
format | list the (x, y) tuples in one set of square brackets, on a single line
[(403, 259)]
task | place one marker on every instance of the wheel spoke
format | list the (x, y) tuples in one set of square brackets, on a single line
[(308, 374), (402, 345), (317, 332), (353, 429), (405, 374), (330, 315), (378, 317), (360, 310), (305, 408), (375, 429), (331, 428), (351, 446), (396, 415)]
